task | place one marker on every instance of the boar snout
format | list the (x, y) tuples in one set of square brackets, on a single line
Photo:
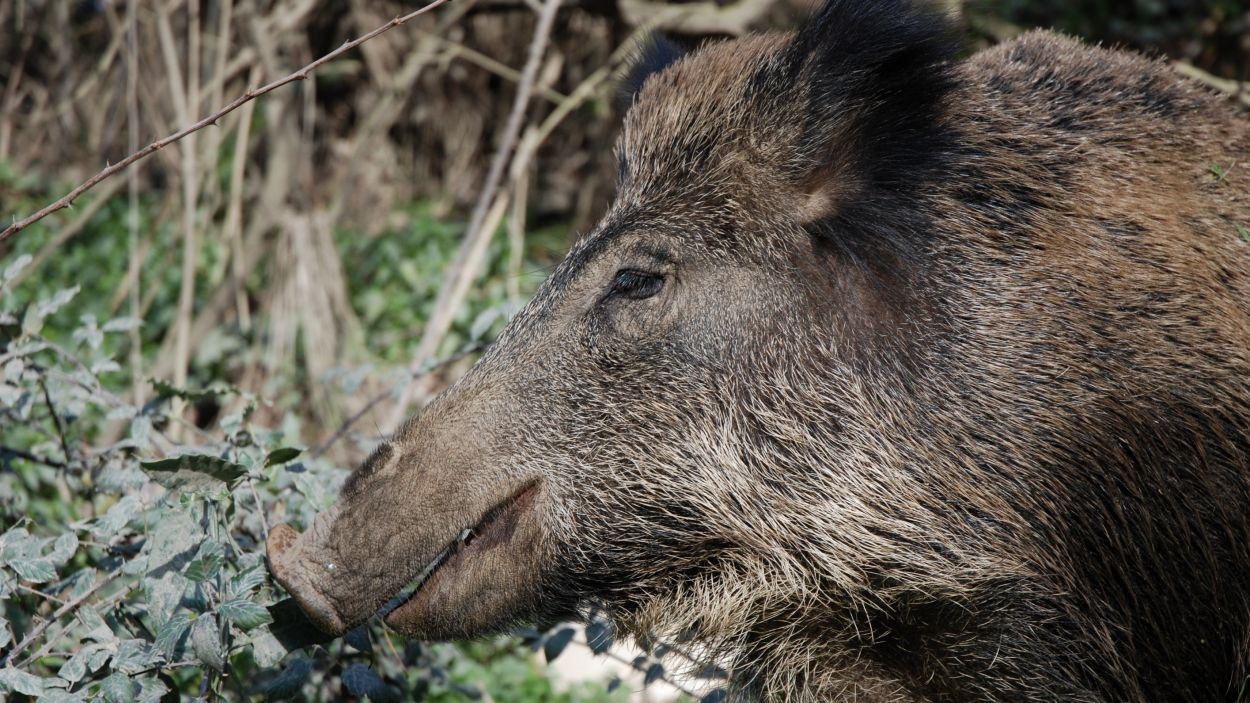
[(436, 532), (291, 573)]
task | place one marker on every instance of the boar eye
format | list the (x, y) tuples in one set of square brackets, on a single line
[(636, 285)]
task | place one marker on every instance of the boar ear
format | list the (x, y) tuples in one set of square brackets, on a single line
[(656, 53), (873, 76)]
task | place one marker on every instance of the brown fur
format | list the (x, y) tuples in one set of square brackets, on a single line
[(945, 394)]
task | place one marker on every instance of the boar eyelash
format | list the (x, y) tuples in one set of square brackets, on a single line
[(636, 285)]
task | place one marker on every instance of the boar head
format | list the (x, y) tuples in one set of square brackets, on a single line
[(699, 363)]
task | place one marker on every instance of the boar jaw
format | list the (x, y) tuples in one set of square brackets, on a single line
[(459, 594), (474, 582)]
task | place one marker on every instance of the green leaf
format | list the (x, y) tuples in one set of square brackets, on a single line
[(117, 517), (1245, 233), (206, 643), (118, 688), (172, 545), (358, 637), (151, 689), (89, 333), (194, 473), (13, 680), (281, 456), (32, 323), (141, 431), (57, 695), (204, 568), (133, 656), (122, 324), (171, 638), (63, 548), (77, 666), (245, 582), (93, 627), (15, 268), (599, 636), (99, 657), (33, 570), (362, 681), (245, 614), (266, 649), (556, 642), (163, 594), (13, 369)]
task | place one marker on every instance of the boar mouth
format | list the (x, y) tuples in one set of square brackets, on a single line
[(496, 527)]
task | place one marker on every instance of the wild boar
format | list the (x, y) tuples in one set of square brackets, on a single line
[(892, 377)]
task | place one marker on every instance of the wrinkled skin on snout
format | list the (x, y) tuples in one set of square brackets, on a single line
[(888, 377)]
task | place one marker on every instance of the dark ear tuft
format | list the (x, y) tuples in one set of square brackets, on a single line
[(876, 76), (656, 53), (863, 34)]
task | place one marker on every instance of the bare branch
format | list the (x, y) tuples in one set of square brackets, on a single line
[(486, 63), (27, 456), (252, 94)]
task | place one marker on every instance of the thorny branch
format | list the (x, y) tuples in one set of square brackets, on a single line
[(251, 94)]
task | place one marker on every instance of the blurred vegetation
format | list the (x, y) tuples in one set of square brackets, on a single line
[(314, 230), (1213, 35)]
